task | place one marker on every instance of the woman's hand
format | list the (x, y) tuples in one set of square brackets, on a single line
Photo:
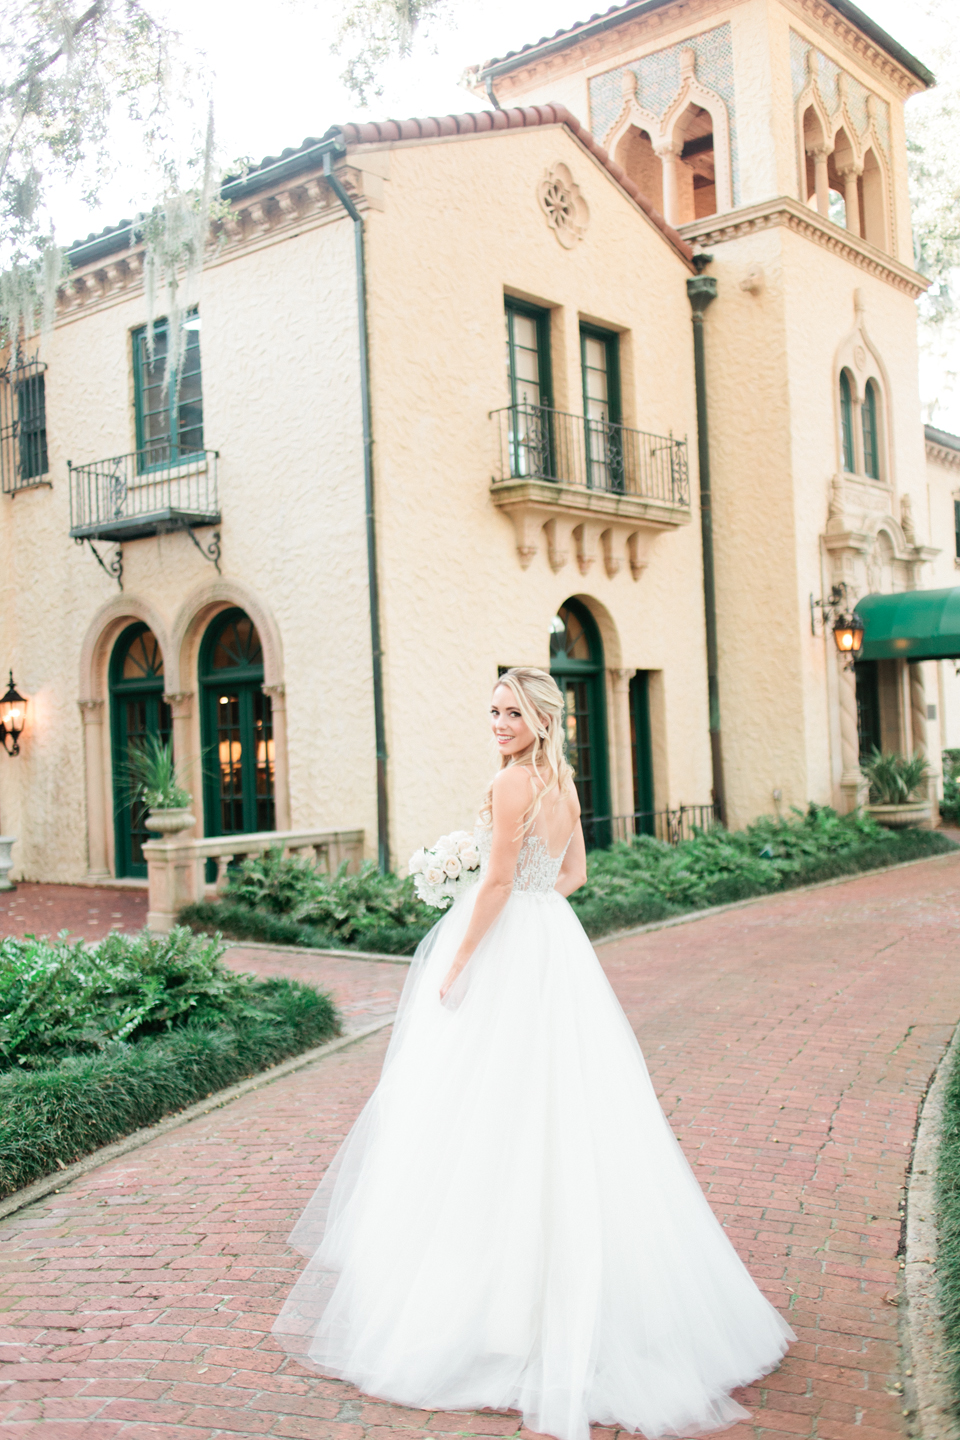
[(451, 976)]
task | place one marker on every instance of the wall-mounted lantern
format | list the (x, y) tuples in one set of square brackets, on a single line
[(839, 612), (13, 713)]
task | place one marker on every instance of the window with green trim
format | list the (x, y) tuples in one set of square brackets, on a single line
[(871, 434), (528, 378), (32, 426), (169, 418), (138, 712), (956, 527), (600, 380), (846, 422), (237, 729), (576, 663)]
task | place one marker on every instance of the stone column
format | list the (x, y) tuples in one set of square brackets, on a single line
[(850, 174), (669, 152), (852, 783), (623, 760), (181, 708), (918, 708), (820, 154), (92, 712), (281, 773)]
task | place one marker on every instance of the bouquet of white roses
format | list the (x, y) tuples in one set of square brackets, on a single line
[(446, 871)]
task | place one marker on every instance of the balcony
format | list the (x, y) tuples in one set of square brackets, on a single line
[(589, 485), (143, 493)]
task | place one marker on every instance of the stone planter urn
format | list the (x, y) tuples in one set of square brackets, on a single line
[(170, 822), (6, 863), (901, 817)]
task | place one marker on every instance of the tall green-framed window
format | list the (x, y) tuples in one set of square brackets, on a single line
[(32, 426), (846, 422), (529, 386), (641, 750), (576, 663), (169, 420), (237, 729), (137, 710), (956, 527), (600, 381), (871, 434)]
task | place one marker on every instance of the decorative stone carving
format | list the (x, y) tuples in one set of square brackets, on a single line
[(754, 280), (906, 520), (565, 208)]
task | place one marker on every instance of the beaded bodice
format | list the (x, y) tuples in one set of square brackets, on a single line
[(537, 870)]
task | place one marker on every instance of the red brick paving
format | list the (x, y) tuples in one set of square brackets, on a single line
[(790, 1042), (88, 912)]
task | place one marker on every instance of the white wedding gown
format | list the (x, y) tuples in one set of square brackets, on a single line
[(511, 1223)]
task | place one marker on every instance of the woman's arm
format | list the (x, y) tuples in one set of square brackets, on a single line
[(573, 871), (512, 793)]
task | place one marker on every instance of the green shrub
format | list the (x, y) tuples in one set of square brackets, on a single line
[(948, 1217), (894, 779), (96, 1043), (950, 804), (212, 917), (644, 880)]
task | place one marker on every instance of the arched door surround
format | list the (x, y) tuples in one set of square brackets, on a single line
[(138, 712), (577, 665), (236, 723)]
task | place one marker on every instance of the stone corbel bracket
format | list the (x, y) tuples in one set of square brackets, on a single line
[(591, 526)]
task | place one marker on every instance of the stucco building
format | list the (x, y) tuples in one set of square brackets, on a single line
[(442, 416)]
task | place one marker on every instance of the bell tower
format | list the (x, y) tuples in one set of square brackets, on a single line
[(770, 133)]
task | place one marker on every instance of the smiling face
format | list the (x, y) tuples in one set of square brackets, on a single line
[(511, 732)]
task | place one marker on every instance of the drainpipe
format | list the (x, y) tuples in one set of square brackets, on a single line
[(701, 291), (376, 650), (491, 96)]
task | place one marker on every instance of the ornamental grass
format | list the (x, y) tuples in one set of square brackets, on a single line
[(97, 1042)]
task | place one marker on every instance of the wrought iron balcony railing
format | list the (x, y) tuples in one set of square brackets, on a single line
[(671, 826), (539, 443), (143, 493)]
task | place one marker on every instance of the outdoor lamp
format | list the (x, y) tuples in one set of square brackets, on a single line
[(13, 709), (848, 634)]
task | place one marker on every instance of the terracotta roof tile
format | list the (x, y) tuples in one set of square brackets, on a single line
[(470, 123)]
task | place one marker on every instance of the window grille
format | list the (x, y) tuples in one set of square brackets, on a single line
[(23, 426)]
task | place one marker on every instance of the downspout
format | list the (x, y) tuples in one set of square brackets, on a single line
[(488, 86), (701, 291), (373, 586)]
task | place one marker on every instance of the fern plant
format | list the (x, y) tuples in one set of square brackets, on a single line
[(153, 777), (894, 779)]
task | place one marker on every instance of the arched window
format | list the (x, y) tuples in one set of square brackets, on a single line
[(871, 434), (576, 663), (872, 204), (636, 154), (846, 422), (137, 710), (237, 727)]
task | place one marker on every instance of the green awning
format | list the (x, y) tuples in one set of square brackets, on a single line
[(914, 625)]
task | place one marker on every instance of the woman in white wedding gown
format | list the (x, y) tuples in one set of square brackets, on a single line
[(511, 1223)]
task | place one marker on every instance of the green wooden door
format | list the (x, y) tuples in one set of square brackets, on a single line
[(237, 729), (576, 663), (137, 709), (642, 752)]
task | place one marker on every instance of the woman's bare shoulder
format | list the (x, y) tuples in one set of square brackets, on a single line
[(512, 780)]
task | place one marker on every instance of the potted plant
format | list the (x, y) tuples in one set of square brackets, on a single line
[(155, 780), (896, 784)]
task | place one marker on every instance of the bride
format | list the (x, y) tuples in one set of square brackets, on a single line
[(511, 1223)]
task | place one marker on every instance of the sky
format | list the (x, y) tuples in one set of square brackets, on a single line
[(275, 82)]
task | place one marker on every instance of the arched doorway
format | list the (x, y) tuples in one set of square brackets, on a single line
[(576, 663), (236, 728), (137, 710)]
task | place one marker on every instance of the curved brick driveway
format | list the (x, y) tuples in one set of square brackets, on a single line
[(790, 1042)]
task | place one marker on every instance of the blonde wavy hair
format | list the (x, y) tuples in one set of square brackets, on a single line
[(541, 705)]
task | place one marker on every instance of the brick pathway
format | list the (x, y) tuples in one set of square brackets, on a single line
[(790, 1042), (87, 912)]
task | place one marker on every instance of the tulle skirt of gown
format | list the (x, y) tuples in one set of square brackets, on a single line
[(511, 1223)]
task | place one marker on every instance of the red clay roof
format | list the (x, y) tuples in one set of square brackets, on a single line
[(376, 132)]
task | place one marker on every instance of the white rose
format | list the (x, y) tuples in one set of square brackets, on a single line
[(433, 874), (470, 859), (417, 861), (464, 844), (452, 867)]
